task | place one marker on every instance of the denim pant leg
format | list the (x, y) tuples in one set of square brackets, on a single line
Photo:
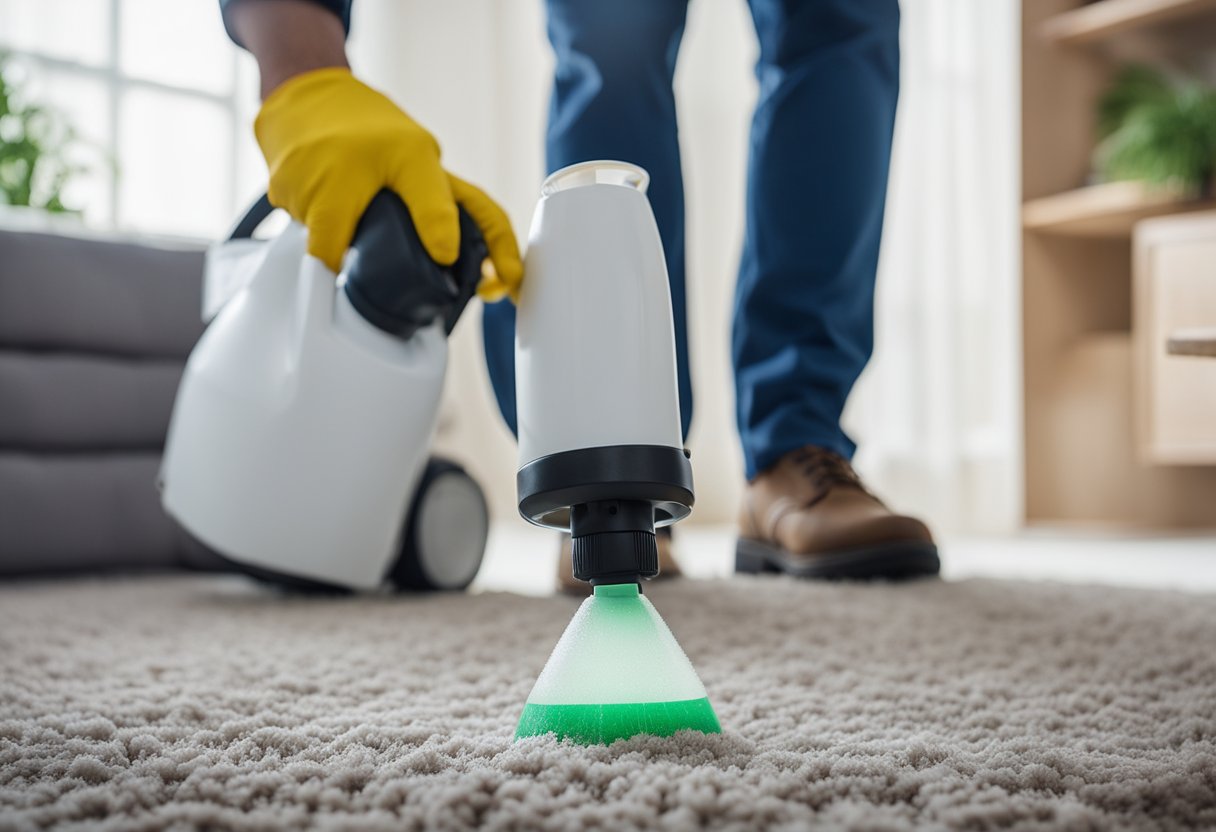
[(817, 179), (612, 99)]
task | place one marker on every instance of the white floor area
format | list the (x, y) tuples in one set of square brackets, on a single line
[(522, 558)]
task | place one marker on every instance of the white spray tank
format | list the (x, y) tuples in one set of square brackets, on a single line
[(601, 456), (600, 446), (298, 446)]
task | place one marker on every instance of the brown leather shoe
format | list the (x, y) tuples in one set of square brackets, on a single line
[(810, 516), (567, 583)]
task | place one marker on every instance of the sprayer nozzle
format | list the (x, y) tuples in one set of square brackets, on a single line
[(617, 672), (615, 557), (613, 541)]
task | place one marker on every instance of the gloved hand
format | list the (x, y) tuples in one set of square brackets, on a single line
[(332, 143)]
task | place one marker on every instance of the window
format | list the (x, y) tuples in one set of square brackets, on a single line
[(162, 102)]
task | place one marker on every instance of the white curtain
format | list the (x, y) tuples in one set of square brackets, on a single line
[(936, 414)]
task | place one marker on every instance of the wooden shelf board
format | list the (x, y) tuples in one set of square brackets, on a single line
[(1104, 18), (1108, 210)]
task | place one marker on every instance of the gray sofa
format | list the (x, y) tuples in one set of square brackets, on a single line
[(93, 337)]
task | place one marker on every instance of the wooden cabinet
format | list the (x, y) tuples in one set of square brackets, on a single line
[(1174, 274), (1116, 431)]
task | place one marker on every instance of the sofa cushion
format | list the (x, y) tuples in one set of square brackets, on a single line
[(54, 401), (65, 512), (93, 338), (73, 294)]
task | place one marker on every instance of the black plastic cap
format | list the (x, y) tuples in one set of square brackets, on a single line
[(612, 541), (615, 557)]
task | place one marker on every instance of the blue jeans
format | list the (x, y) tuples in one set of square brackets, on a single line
[(817, 178)]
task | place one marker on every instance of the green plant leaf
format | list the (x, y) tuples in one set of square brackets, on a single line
[(1135, 85), (1166, 137), (34, 145)]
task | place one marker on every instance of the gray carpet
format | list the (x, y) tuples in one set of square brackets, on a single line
[(204, 702)]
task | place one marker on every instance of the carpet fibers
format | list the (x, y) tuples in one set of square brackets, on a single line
[(211, 703)]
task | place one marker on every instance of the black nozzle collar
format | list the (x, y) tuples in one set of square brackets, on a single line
[(613, 541)]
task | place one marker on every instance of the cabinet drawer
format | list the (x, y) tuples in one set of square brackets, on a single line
[(1175, 292)]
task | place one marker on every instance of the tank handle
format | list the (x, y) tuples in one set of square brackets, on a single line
[(394, 284), (390, 279), (255, 216)]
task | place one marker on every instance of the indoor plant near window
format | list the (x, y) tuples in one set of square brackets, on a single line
[(1158, 129), (34, 144)]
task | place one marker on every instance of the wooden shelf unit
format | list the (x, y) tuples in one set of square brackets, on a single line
[(1105, 18), (1108, 210), (1081, 461)]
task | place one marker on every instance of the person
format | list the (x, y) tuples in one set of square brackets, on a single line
[(819, 154)]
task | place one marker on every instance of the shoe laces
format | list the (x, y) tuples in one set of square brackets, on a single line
[(825, 469)]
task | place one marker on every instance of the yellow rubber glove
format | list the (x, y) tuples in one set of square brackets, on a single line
[(332, 143)]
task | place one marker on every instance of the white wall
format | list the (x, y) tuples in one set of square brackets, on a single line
[(936, 414)]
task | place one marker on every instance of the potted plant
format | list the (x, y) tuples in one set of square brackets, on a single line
[(34, 145), (1158, 129)]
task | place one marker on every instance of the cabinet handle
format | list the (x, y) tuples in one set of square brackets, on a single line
[(1192, 342)]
